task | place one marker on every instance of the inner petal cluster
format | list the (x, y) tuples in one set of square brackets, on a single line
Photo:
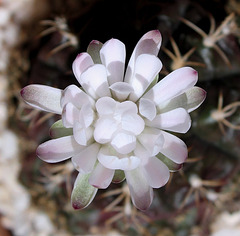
[(118, 124)]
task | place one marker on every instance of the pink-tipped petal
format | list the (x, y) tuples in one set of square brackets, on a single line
[(83, 193), (43, 97), (113, 54), (85, 160), (94, 81), (149, 44), (82, 62), (101, 177), (147, 109), (174, 84), (76, 96), (115, 161), (94, 51), (156, 172), (177, 120), (57, 150), (174, 148), (141, 192), (146, 68)]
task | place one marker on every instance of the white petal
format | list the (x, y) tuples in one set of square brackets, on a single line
[(148, 44), (141, 192), (101, 177), (43, 97), (76, 96), (147, 109), (132, 123), (81, 134), (86, 115), (121, 90), (146, 68), (105, 106), (125, 107), (174, 148), (177, 120), (112, 161), (82, 62), (113, 54), (152, 140), (70, 114), (94, 51), (141, 152), (57, 150), (86, 159), (124, 143), (174, 84), (190, 100), (94, 81), (83, 193), (105, 127), (156, 172)]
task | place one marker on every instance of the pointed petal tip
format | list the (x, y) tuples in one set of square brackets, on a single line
[(95, 42), (155, 35)]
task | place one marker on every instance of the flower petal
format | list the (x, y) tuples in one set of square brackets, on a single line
[(81, 134), (76, 96), (82, 62), (70, 114), (86, 115), (141, 192), (174, 148), (146, 68), (105, 106), (147, 109), (113, 160), (57, 130), (85, 160), (177, 120), (121, 90), (94, 51), (156, 172), (101, 177), (132, 123), (104, 129), (174, 84), (152, 140), (190, 100), (83, 193), (113, 54), (43, 97), (148, 44), (124, 143), (57, 150), (94, 81)]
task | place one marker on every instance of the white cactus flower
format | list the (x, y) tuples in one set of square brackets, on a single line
[(114, 126)]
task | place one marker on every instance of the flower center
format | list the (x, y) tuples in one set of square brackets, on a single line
[(118, 124)]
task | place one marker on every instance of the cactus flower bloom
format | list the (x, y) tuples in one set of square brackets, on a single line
[(114, 127)]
